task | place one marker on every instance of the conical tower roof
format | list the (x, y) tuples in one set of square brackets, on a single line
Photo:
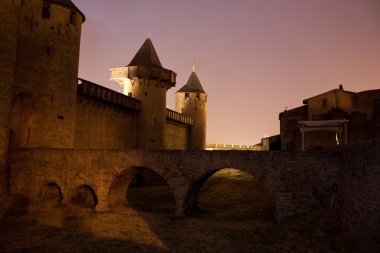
[(68, 4), (192, 85), (146, 56)]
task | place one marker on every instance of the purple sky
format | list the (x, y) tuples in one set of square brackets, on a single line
[(253, 57)]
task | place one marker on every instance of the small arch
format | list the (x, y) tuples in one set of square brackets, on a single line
[(229, 193), (51, 192), (85, 196)]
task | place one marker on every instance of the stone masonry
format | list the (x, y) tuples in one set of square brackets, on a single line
[(359, 193), (8, 45), (299, 182)]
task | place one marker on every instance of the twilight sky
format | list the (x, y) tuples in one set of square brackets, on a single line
[(254, 58)]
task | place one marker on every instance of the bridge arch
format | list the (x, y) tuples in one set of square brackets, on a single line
[(134, 179), (84, 196), (119, 187), (51, 192), (191, 200)]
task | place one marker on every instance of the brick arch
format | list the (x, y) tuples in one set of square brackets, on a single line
[(119, 187), (121, 181), (51, 191), (190, 202), (85, 196), (293, 178)]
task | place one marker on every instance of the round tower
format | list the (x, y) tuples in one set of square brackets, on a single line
[(146, 80), (191, 101), (44, 95), (8, 46)]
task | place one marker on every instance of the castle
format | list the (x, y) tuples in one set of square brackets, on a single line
[(45, 105), (69, 136)]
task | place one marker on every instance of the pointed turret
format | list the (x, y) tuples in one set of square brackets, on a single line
[(192, 85), (146, 56), (145, 65), (145, 79), (191, 101)]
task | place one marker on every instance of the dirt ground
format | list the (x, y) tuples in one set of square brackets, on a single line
[(236, 215)]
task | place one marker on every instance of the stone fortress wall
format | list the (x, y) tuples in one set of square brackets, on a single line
[(44, 105), (44, 93), (48, 108), (56, 130), (105, 119)]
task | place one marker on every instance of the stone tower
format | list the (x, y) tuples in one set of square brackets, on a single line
[(191, 101), (44, 94), (8, 48), (146, 80)]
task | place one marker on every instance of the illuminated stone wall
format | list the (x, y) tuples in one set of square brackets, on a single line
[(299, 182), (46, 76), (194, 104), (176, 136), (101, 125)]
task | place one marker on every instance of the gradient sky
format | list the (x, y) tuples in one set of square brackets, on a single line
[(254, 58)]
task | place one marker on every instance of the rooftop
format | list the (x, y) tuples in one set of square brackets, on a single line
[(146, 56), (68, 4), (192, 85)]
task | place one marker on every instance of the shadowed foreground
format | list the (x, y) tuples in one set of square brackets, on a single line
[(235, 216)]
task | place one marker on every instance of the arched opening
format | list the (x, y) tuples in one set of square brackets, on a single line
[(85, 196), (142, 189), (148, 191), (51, 192), (230, 193), (117, 196), (22, 120)]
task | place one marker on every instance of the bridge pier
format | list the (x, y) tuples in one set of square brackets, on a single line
[(102, 208), (179, 210), (102, 205)]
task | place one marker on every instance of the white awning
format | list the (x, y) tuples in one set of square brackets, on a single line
[(323, 125)]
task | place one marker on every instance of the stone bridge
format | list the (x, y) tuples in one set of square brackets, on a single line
[(298, 181)]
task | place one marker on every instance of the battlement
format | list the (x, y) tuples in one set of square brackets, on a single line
[(231, 147), (178, 117), (89, 89)]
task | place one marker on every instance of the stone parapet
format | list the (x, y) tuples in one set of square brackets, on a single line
[(89, 89)]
